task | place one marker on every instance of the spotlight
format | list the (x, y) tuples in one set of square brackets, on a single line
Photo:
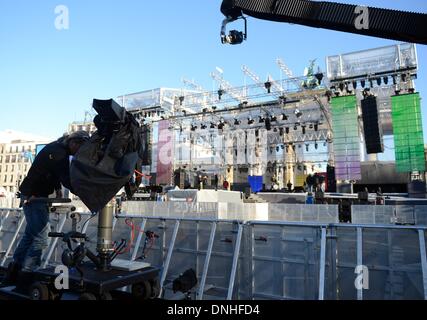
[(403, 77), (298, 113), (287, 130), (185, 282), (342, 86), (295, 128), (385, 79), (394, 79), (307, 146), (212, 125), (310, 126), (282, 146), (261, 119), (316, 127), (319, 77), (354, 85), (220, 94), (236, 122), (277, 149), (268, 124), (268, 86), (250, 121), (275, 130), (316, 146), (284, 117), (273, 118), (281, 131), (221, 124), (363, 83), (181, 100), (303, 129), (193, 127), (379, 81), (203, 126)]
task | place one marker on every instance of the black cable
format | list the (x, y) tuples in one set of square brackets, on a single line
[(88, 219)]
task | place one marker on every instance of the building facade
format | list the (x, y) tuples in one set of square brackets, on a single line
[(81, 126), (16, 153)]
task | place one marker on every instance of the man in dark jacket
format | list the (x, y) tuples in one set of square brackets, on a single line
[(49, 170)]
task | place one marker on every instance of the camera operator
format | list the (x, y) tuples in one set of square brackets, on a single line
[(50, 169)]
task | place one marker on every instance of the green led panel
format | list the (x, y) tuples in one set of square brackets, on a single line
[(408, 132), (346, 138)]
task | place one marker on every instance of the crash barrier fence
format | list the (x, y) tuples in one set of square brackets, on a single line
[(388, 214), (236, 259)]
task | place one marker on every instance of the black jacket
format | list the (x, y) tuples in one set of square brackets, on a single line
[(50, 169)]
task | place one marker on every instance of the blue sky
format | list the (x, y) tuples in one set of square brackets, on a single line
[(48, 78)]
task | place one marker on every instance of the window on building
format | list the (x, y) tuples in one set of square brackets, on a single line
[(5, 179), (7, 167), (7, 159), (17, 148), (13, 159), (11, 178), (23, 148)]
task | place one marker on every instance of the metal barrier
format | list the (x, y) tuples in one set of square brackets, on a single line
[(236, 259), (388, 214)]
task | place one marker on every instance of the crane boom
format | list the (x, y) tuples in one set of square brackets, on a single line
[(382, 23)]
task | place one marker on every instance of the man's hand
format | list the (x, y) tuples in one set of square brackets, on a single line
[(30, 199), (58, 194)]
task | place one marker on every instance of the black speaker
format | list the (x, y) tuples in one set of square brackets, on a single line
[(371, 126), (331, 181)]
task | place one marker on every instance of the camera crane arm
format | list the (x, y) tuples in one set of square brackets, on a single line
[(382, 23)]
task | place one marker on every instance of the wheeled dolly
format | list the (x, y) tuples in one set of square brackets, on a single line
[(102, 277), (97, 284)]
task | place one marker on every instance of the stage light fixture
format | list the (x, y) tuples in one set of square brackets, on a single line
[(385, 79), (268, 86), (363, 83), (287, 130), (319, 76), (379, 81), (251, 121), (298, 113), (220, 94), (268, 124), (181, 100), (236, 122), (284, 117), (354, 85), (261, 119)]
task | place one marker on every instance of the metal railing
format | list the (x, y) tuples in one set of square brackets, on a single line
[(236, 259)]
